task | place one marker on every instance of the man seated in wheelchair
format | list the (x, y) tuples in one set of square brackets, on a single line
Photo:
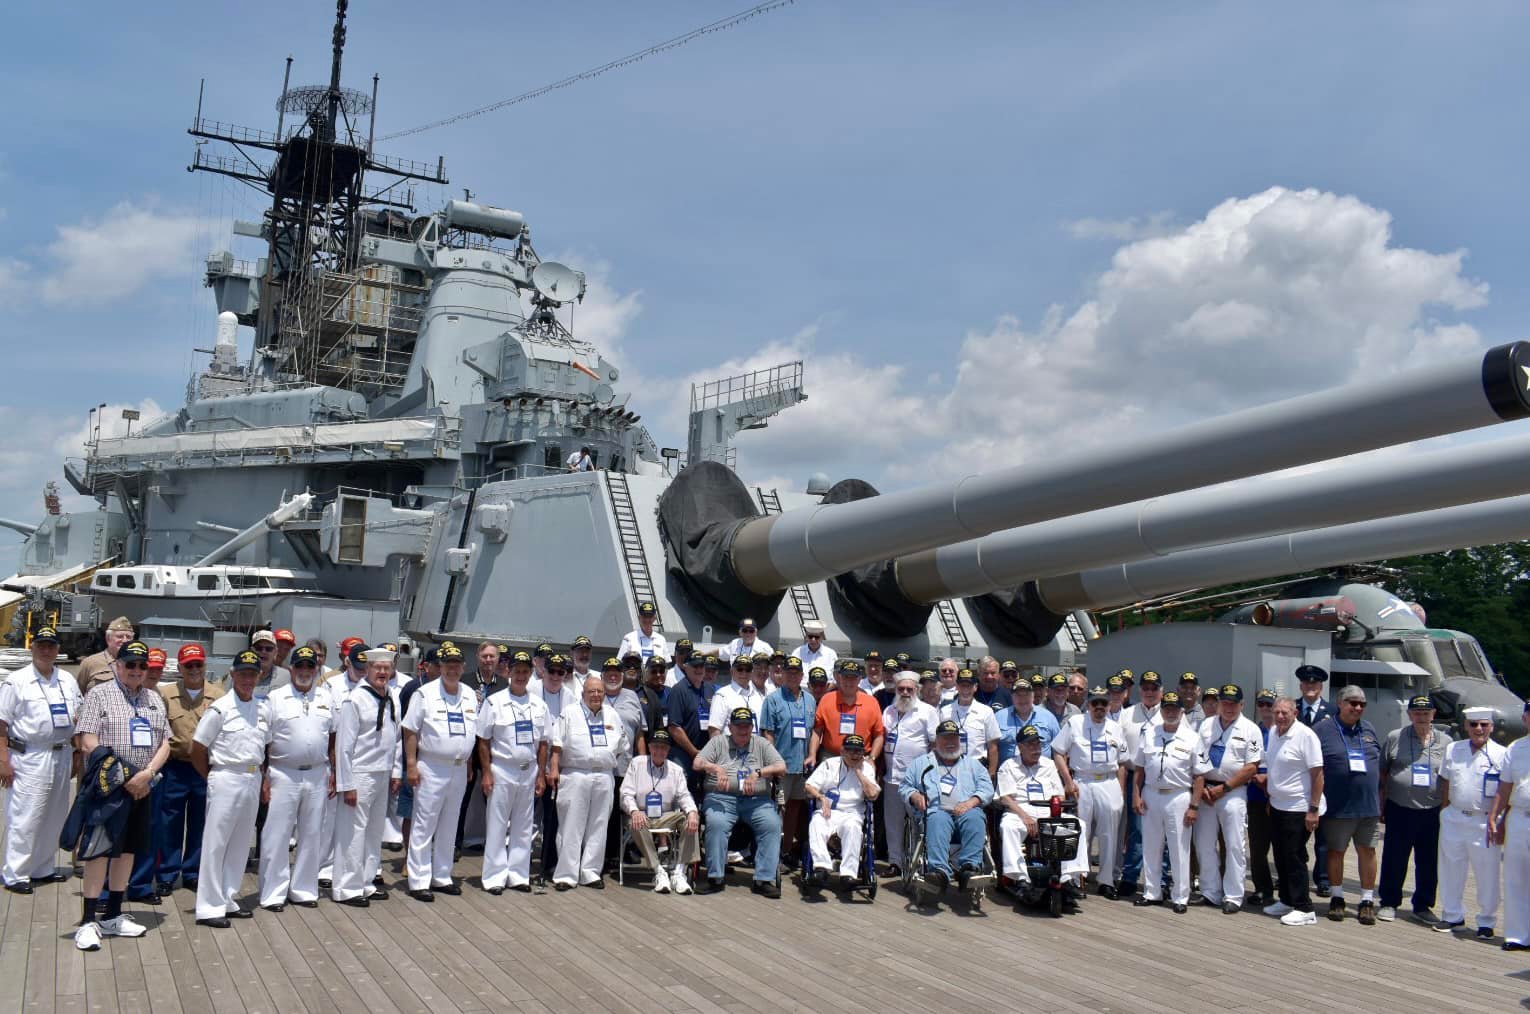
[(840, 788), (656, 798), (1028, 782), (739, 767), (948, 790)]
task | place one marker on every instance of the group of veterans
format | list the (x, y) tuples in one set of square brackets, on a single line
[(686, 759)]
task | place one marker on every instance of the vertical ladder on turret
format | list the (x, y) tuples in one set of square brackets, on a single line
[(802, 599), (1076, 634), (956, 636), (632, 543)]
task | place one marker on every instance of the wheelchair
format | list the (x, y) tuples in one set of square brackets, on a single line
[(866, 879), (1056, 841), (916, 882)]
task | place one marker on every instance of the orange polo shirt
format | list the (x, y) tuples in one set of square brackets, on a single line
[(868, 721)]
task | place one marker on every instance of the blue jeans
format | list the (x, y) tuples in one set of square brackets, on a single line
[(146, 879), (941, 829), (722, 812), (1131, 863), (182, 809)]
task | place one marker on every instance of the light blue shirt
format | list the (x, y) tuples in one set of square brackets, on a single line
[(1010, 723), (776, 718), (925, 775)]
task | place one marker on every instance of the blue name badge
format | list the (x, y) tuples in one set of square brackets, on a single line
[(947, 784), (455, 724), (1099, 751), (60, 714), (523, 732), (846, 723), (1490, 785), (140, 733), (964, 739), (799, 728), (1357, 759), (1034, 792), (1423, 776), (597, 734), (892, 740), (654, 805)]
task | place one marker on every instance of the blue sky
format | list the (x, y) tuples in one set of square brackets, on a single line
[(902, 193)]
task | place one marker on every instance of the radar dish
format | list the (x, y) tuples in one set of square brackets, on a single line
[(556, 282), (603, 394), (307, 98)]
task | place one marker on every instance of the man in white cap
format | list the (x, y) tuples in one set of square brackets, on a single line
[(1510, 821), (300, 724), (813, 652), (645, 641), (264, 644), (514, 727), (589, 745), (840, 787), (440, 733), (229, 749), (1471, 777), (1090, 752), (1235, 747), (910, 726), (368, 770), (1028, 782)]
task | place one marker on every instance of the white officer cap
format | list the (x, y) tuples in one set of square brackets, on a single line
[(1481, 714), (813, 627), (379, 654), (907, 676)]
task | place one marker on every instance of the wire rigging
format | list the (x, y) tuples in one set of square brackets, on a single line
[(594, 72)]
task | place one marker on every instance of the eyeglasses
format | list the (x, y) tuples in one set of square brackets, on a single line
[(305, 665), (1480, 725), (265, 647), (135, 665), (747, 630), (815, 637), (1264, 704), (1354, 704), (193, 665)]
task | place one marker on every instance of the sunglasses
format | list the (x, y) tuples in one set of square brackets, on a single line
[(1353, 704), (815, 637), (1264, 704), (305, 665), (1480, 725), (193, 665), (747, 630), (135, 665), (265, 647)]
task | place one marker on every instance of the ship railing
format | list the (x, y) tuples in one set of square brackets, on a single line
[(772, 384)]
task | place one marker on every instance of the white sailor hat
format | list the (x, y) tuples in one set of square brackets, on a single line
[(380, 654), (1480, 714)]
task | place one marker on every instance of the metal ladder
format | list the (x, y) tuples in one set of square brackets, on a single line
[(1076, 634), (632, 543), (802, 599), (955, 635)]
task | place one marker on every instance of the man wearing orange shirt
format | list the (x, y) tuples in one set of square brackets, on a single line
[(850, 710)]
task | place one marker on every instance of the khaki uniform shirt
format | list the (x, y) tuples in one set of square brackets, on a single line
[(184, 714), (94, 670)]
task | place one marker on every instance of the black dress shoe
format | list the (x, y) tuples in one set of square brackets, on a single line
[(819, 878), (306, 904), (1142, 901), (324, 885), (356, 902), (1180, 909), (144, 899), (1231, 907), (453, 888), (561, 886), (597, 885), (1108, 891), (894, 870), (381, 894), (422, 894), (241, 913), (497, 891), (58, 877), (767, 888), (1514, 945), (217, 923), (937, 881), (280, 906), (378, 880), (1484, 932), (523, 888), (19, 887), (165, 890), (715, 885)]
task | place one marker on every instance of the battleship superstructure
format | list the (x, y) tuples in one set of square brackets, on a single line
[(419, 443)]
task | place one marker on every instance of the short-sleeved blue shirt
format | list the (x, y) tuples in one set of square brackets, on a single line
[(688, 707), (1350, 793), (776, 719)]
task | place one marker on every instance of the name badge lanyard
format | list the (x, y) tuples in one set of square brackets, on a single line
[(456, 720), (522, 725), (1099, 748), (892, 734), (1035, 793), (799, 716), (839, 787), (1490, 778), (597, 728), (1356, 753), (654, 799), (59, 713), (1421, 772), (140, 732), (742, 757)]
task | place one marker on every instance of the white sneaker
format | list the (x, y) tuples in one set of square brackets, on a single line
[(1277, 908), (88, 937), (660, 881), (679, 883), (1299, 919), (735, 858), (1386, 913), (122, 926)]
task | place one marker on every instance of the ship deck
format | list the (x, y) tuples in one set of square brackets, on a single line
[(626, 949)]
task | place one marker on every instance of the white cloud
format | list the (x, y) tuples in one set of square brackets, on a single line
[(100, 260), (71, 444), (1121, 230)]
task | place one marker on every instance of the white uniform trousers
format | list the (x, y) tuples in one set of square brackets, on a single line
[(1013, 835), (1463, 840), (433, 828), (1229, 817), (850, 827), (233, 796), (894, 819), (1164, 823), (358, 837), (328, 832), (584, 810), (1099, 807), (296, 811), (35, 813), (509, 818), (1516, 879)]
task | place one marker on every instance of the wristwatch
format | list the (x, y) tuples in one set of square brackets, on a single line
[(1312, 809)]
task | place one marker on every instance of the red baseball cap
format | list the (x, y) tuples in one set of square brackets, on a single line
[(285, 637), (190, 653), (349, 643), (157, 658)]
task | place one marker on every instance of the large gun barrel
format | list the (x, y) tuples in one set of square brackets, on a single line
[(270, 523), (1353, 492), (768, 554), (1476, 524)]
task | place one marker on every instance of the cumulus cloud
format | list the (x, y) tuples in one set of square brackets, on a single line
[(100, 260)]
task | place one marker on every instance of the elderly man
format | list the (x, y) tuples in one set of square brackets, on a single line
[(644, 641), (993, 682), (1235, 747), (1294, 766), (1259, 828), (130, 721), (747, 643), (514, 728), (1311, 709), (1471, 776), (1190, 698), (1412, 760), (840, 787), (980, 729), (1119, 690), (299, 722), (39, 704), (655, 798), (352, 673), (229, 749), (813, 652), (739, 693), (367, 771), (102, 666), (947, 670), (1510, 821), (876, 674), (950, 788), (1028, 782), (183, 789), (1090, 752), (143, 886), (1171, 768), (1022, 711), (1078, 689), (650, 695), (1057, 701), (1140, 718), (785, 722), (689, 704), (738, 768), (850, 710), (929, 688), (589, 745), (263, 643), (910, 734), (1351, 786), (440, 733)]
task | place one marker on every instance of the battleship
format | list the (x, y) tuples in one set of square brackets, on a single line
[(418, 444)]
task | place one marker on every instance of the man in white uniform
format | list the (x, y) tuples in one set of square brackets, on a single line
[(37, 714), (1235, 747), (367, 772), (1090, 751), (1171, 774), (589, 746), (229, 749), (840, 787), (980, 729), (1471, 776), (513, 732), (440, 732), (910, 734), (655, 797), (299, 722), (352, 673), (1028, 782), (740, 693), (644, 641), (747, 643), (1510, 821), (813, 652)]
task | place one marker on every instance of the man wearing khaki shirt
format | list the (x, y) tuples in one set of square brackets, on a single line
[(183, 799), (102, 666)]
